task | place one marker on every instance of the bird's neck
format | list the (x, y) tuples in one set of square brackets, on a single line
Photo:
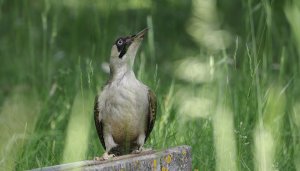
[(117, 73)]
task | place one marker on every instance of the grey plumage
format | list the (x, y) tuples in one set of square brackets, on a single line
[(125, 110)]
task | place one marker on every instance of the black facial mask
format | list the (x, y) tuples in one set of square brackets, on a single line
[(123, 45)]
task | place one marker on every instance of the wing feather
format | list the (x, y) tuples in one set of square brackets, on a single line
[(98, 123), (151, 113)]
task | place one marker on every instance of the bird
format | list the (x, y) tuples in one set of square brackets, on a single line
[(125, 109)]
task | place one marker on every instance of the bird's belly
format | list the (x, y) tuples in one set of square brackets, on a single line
[(126, 117), (125, 112), (126, 130)]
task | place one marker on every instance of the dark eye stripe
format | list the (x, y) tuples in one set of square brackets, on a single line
[(124, 50), (122, 46), (119, 45)]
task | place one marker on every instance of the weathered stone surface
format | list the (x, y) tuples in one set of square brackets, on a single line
[(177, 159)]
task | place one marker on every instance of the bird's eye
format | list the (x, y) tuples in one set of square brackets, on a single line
[(120, 42)]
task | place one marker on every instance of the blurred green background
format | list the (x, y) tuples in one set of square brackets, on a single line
[(226, 74)]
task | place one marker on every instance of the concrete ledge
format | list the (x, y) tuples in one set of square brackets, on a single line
[(176, 158)]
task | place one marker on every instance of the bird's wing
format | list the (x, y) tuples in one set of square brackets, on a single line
[(151, 112), (98, 123)]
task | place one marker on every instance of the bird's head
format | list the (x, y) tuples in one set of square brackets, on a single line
[(124, 51)]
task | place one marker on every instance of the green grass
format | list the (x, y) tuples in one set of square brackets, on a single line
[(226, 74)]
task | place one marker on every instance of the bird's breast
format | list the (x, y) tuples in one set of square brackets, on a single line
[(125, 112)]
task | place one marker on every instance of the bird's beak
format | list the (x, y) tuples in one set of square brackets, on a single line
[(136, 37), (139, 35), (133, 42)]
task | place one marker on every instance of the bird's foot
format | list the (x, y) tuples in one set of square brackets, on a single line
[(141, 149), (98, 158), (105, 156)]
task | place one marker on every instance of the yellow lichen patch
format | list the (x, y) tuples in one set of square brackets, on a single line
[(168, 159), (164, 169), (154, 163), (184, 152)]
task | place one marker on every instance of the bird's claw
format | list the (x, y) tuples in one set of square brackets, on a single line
[(98, 158), (136, 151), (140, 150), (105, 156)]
